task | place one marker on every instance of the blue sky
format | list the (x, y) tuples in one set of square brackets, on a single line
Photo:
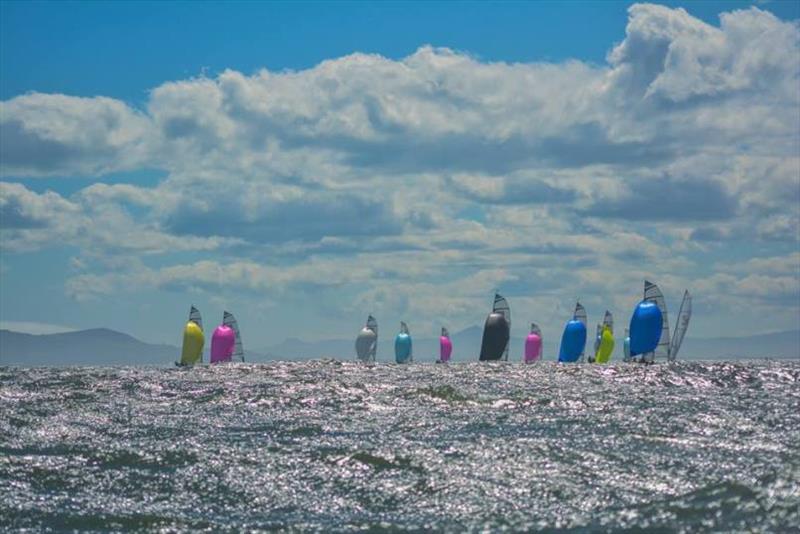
[(303, 164)]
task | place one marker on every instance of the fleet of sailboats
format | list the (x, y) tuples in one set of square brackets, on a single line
[(647, 339)]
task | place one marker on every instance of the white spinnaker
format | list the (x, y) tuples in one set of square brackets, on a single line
[(501, 306), (653, 294), (580, 315), (681, 325), (194, 316), (372, 324), (230, 321)]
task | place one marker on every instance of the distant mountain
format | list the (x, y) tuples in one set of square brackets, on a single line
[(101, 346), (97, 346)]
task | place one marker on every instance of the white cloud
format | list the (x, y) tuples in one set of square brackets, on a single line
[(447, 173)]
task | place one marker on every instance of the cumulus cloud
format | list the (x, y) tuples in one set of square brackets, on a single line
[(448, 173)]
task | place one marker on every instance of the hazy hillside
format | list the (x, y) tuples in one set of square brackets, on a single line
[(102, 346)]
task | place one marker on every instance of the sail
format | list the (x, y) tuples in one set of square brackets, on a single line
[(194, 316), (580, 315), (230, 321), (367, 341), (608, 320), (681, 325), (403, 348), (494, 345), (533, 344), (501, 306), (445, 346), (653, 294), (597, 334), (193, 339)]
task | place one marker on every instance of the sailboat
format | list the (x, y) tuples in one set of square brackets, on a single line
[(193, 339), (642, 339), (238, 350), (605, 343), (573, 340), (403, 352), (226, 341), (367, 341), (496, 331), (445, 347), (533, 344)]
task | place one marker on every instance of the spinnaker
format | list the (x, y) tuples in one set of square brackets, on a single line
[(367, 341), (496, 331), (193, 339)]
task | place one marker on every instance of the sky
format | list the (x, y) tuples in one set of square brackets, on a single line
[(305, 164)]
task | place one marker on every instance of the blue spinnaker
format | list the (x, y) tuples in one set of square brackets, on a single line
[(646, 324), (573, 341)]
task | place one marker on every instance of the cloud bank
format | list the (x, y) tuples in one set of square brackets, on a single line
[(416, 186)]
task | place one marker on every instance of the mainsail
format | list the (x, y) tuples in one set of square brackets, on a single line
[(230, 321), (653, 294), (580, 315), (627, 346), (194, 316), (681, 325), (608, 320)]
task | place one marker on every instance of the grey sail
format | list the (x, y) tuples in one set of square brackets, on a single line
[(580, 315), (194, 316), (230, 321), (681, 325), (445, 332), (536, 330), (496, 330), (501, 306), (367, 341), (403, 328), (597, 333), (608, 320), (653, 294)]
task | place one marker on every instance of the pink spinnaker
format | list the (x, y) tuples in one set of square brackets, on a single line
[(445, 349), (533, 348), (222, 343)]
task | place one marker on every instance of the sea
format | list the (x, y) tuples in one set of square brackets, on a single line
[(332, 446)]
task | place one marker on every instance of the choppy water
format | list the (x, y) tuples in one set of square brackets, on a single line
[(340, 446)]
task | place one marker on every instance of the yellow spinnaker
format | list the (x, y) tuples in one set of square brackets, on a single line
[(193, 340), (606, 346)]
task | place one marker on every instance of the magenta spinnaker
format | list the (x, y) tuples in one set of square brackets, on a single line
[(533, 348), (445, 348), (222, 343)]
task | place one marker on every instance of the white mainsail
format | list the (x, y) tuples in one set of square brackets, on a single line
[(653, 294), (501, 306), (580, 315), (230, 321), (194, 316), (681, 325)]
